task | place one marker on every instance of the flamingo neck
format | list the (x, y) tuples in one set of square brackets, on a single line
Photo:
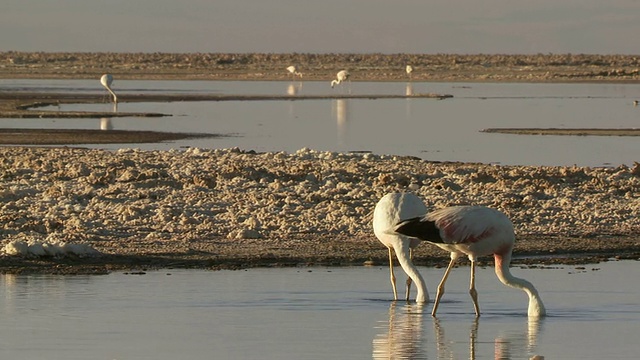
[(536, 307), (402, 252), (115, 98)]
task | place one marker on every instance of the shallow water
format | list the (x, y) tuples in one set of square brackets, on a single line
[(316, 313), (447, 130)]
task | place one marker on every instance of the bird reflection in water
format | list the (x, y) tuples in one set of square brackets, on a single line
[(404, 337), (293, 89), (506, 345), (408, 91), (510, 345), (341, 113), (105, 124)]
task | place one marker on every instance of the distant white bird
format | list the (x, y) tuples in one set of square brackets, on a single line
[(409, 70), (294, 72), (106, 80), (342, 76), (390, 210), (473, 231), (635, 102)]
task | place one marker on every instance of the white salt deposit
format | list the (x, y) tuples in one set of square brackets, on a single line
[(33, 249)]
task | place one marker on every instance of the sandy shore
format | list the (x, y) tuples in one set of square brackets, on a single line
[(230, 209)]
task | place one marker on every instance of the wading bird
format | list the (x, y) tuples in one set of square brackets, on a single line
[(294, 72), (106, 80), (390, 210), (342, 76), (473, 231), (409, 70)]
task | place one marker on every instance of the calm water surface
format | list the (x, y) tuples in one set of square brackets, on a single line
[(447, 130), (316, 313)]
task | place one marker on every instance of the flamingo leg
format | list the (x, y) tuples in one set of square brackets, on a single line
[(472, 288), (393, 277), (454, 257), (408, 278)]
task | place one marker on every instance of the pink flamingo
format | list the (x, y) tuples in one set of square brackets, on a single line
[(473, 231)]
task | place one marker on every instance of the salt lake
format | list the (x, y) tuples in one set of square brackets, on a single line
[(317, 313), (438, 130), (320, 313)]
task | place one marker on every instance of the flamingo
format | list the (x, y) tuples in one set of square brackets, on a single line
[(390, 210), (409, 70), (294, 72), (106, 80), (473, 231), (342, 76)]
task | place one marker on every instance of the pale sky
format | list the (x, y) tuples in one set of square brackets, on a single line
[(322, 26)]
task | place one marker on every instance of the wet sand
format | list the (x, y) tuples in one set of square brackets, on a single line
[(567, 132), (150, 222), (78, 137)]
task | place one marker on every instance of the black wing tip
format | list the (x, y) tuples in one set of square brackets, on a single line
[(420, 228), (402, 225)]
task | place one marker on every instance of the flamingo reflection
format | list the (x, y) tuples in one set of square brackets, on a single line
[(507, 344), (294, 88), (105, 124), (402, 336), (409, 89), (340, 110), (408, 92)]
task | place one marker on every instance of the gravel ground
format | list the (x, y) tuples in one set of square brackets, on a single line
[(231, 209)]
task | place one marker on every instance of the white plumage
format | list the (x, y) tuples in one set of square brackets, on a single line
[(106, 80), (294, 72), (341, 76), (390, 210), (409, 70)]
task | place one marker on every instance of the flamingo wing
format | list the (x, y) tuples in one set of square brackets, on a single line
[(456, 225), (468, 224)]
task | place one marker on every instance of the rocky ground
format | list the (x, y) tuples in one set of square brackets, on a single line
[(231, 209)]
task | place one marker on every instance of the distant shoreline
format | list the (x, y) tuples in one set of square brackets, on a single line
[(565, 132), (323, 67)]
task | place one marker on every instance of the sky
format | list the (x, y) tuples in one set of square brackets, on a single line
[(322, 26)]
